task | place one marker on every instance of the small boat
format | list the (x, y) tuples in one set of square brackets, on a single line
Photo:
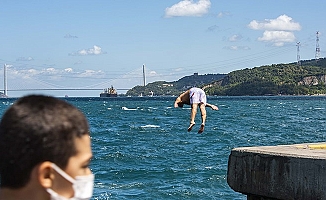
[(109, 92), (3, 95)]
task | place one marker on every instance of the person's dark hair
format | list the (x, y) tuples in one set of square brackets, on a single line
[(180, 104), (35, 129)]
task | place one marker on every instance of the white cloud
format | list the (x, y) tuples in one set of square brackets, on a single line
[(278, 38), (223, 14), (68, 70), (24, 59), (90, 73), (96, 50), (180, 69), (277, 31), (152, 73), (282, 23), (236, 48), (31, 72), (234, 38), (50, 70), (51, 77), (188, 8)]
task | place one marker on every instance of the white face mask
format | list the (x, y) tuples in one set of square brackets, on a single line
[(82, 185)]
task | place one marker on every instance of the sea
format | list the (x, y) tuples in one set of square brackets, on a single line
[(142, 149)]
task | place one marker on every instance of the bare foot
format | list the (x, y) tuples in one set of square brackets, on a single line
[(190, 127), (201, 129)]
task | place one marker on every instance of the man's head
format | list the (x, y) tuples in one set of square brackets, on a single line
[(180, 105), (38, 129)]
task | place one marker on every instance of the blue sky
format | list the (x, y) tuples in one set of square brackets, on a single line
[(96, 44)]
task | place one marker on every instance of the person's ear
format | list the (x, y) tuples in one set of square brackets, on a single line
[(45, 174)]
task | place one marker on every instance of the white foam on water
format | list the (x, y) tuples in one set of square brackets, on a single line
[(150, 126), (125, 108)]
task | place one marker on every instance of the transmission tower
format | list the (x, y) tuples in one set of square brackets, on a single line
[(317, 55), (298, 54)]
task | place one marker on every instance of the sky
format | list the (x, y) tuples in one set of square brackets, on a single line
[(91, 45)]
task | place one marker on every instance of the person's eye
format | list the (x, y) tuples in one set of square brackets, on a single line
[(85, 166)]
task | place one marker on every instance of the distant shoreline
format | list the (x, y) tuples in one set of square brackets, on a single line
[(171, 98)]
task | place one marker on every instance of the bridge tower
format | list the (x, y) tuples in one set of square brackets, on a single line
[(5, 79), (144, 75), (298, 54), (317, 55)]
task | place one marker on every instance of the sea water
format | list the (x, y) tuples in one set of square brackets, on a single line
[(142, 149)]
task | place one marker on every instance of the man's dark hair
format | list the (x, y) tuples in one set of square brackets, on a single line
[(35, 129), (180, 104)]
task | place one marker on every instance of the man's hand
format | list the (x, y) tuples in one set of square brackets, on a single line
[(177, 101), (214, 107)]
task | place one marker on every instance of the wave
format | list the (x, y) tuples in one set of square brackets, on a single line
[(125, 108), (150, 126)]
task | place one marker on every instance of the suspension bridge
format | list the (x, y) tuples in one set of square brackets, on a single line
[(25, 83)]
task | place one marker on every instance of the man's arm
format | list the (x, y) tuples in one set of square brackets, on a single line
[(212, 106), (183, 98), (178, 100)]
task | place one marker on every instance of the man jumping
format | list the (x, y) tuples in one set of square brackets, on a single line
[(195, 97)]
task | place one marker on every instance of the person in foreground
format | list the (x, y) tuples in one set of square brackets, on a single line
[(45, 151), (195, 97)]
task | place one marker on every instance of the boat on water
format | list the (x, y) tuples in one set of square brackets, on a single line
[(109, 92), (3, 95)]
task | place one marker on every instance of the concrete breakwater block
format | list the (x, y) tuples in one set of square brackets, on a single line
[(288, 172)]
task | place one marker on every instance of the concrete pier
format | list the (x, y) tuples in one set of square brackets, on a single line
[(279, 172)]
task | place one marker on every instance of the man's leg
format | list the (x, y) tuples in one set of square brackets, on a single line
[(193, 112), (203, 117), (203, 113)]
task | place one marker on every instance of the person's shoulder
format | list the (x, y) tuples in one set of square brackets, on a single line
[(184, 93)]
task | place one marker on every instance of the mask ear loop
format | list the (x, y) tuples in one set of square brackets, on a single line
[(62, 173)]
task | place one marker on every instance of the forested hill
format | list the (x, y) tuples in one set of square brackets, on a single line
[(196, 80), (160, 88), (309, 78)]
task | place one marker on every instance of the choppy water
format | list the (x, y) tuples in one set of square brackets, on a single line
[(142, 149)]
